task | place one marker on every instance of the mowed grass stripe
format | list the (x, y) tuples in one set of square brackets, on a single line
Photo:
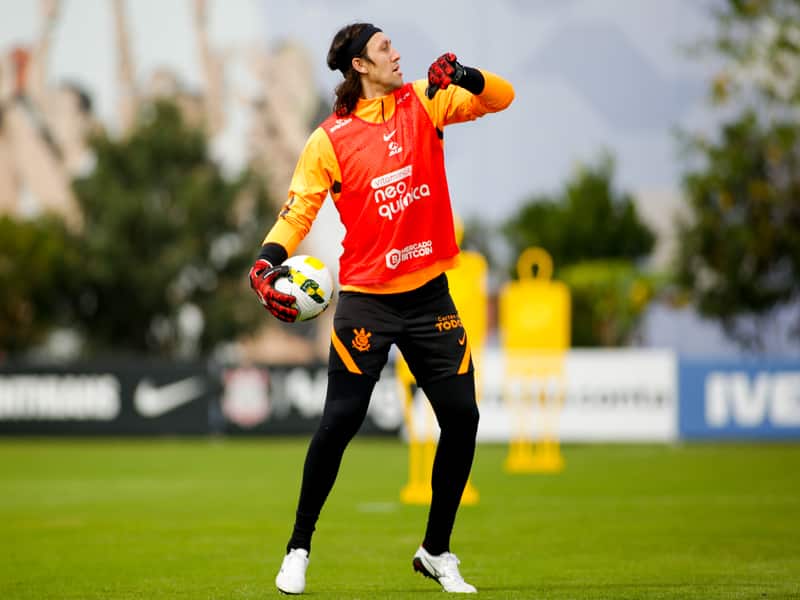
[(209, 518)]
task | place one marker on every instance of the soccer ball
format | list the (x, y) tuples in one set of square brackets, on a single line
[(309, 281)]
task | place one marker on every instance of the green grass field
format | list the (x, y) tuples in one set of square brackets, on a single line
[(209, 519)]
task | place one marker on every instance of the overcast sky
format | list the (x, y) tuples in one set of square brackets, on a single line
[(589, 74)]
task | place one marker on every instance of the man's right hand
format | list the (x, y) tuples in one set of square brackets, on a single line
[(262, 280)]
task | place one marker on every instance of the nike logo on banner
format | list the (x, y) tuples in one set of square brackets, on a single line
[(151, 401), (388, 136), (462, 340)]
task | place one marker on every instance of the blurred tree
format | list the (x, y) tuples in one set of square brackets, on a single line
[(759, 41), (589, 219), (480, 236), (739, 251), (608, 300), (36, 258), (167, 243), (596, 238)]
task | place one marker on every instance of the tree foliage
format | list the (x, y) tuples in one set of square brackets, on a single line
[(739, 251), (167, 243), (595, 237), (36, 258), (609, 298), (740, 248), (759, 41), (587, 220)]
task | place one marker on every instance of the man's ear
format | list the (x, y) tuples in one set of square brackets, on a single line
[(358, 65)]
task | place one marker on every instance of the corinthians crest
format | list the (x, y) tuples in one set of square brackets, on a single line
[(361, 339)]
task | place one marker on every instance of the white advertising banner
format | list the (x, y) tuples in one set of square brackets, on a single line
[(608, 395)]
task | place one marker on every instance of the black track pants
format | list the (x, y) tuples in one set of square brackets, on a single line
[(453, 401)]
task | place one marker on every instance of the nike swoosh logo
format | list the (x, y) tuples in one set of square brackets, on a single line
[(462, 340), (388, 136), (151, 401)]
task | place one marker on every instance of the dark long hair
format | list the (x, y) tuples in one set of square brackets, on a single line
[(349, 91)]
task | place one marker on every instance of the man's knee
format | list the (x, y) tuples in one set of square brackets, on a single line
[(346, 401), (453, 401)]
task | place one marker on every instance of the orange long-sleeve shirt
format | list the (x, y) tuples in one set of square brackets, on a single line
[(318, 169)]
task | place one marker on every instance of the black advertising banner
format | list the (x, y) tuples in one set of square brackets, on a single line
[(140, 397), (288, 400), (99, 398)]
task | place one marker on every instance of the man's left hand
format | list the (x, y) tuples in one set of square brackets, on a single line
[(445, 70)]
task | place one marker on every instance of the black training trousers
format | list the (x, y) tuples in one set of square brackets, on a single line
[(424, 324)]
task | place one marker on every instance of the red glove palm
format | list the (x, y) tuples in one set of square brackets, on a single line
[(445, 70), (262, 280)]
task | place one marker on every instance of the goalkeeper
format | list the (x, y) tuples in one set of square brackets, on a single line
[(380, 156)]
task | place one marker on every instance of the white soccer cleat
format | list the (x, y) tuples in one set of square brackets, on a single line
[(291, 579), (444, 569)]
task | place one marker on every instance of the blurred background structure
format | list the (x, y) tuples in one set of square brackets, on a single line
[(145, 147)]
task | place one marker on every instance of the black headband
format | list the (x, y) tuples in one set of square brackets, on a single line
[(355, 47)]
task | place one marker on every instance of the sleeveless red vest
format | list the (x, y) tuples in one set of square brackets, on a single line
[(394, 201)]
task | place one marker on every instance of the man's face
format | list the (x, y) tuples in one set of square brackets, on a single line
[(384, 70)]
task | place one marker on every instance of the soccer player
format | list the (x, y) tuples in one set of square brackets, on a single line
[(380, 156)]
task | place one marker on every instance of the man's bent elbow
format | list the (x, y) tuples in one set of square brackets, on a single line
[(499, 103), (498, 93), (509, 98)]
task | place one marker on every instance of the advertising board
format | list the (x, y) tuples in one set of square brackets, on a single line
[(119, 397), (739, 399)]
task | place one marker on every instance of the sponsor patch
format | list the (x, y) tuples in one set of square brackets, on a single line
[(394, 192), (416, 250), (448, 322)]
